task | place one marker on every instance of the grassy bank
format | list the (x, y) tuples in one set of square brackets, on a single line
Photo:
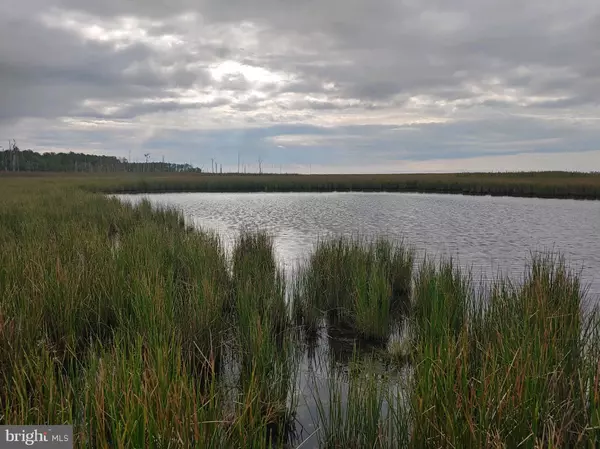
[(142, 332), (526, 184), (127, 324)]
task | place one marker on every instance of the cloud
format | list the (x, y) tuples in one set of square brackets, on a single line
[(393, 79)]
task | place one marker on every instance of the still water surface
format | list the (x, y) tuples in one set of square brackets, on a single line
[(488, 234)]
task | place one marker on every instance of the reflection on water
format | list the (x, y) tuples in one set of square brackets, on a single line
[(489, 234), (328, 357)]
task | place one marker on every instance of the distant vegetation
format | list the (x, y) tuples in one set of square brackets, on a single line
[(114, 175), (17, 160), (531, 184)]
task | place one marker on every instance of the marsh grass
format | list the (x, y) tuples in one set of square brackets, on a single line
[(266, 344), (126, 341), (355, 283), (258, 282), (141, 332), (525, 184), (539, 327), (442, 297), (511, 372)]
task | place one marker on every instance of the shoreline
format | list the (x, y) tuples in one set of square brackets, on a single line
[(544, 185)]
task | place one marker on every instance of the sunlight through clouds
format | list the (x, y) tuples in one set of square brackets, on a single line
[(438, 81)]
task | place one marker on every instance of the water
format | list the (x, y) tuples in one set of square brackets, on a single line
[(489, 234)]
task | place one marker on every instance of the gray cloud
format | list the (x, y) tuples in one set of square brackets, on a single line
[(475, 70)]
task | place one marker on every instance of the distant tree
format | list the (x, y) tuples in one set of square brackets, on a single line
[(13, 159)]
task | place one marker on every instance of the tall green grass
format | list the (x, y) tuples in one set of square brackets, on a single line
[(266, 344), (117, 318), (363, 408), (355, 283), (142, 332), (512, 370), (258, 282)]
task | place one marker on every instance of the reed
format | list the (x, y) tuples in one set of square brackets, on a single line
[(115, 318), (356, 283), (265, 343), (364, 408), (514, 370)]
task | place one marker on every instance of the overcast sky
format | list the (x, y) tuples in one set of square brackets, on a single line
[(320, 85)]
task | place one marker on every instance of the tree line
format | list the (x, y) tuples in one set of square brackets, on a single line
[(16, 160)]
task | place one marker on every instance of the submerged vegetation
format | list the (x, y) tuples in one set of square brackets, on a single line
[(144, 332)]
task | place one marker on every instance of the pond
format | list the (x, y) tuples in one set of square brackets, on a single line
[(490, 235)]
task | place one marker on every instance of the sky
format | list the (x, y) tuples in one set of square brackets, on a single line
[(319, 86)]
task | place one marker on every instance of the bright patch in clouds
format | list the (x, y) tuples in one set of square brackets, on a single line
[(256, 75)]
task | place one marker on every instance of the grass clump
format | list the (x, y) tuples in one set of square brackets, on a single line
[(535, 335), (356, 284), (507, 371), (259, 285), (441, 300), (117, 319), (440, 304), (265, 342)]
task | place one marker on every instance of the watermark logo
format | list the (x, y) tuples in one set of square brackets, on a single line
[(38, 437)]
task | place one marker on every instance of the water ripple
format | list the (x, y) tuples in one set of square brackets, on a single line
[(489, 234)]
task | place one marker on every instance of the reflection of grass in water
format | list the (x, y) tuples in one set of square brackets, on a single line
[(362, 409)]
